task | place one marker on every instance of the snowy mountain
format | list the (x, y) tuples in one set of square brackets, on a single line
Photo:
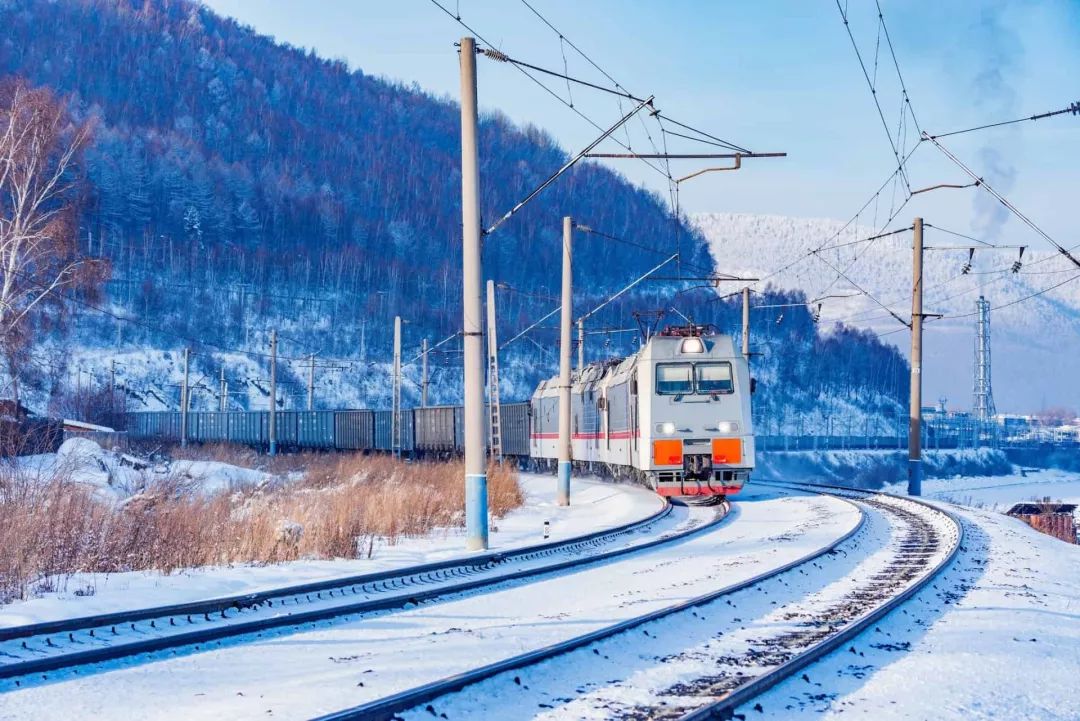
[(1042, 332), (239, 185)]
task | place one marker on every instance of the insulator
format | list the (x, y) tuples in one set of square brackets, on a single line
[(780, 319), (966, 269), (1016, 266)]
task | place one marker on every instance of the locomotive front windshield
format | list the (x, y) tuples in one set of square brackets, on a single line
[(713, 378), (680, 379), (674, 379)]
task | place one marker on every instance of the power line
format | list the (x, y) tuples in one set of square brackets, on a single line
[(618, 85), (874, 94), (502, 57), (958, 235), (624, 241), (896, 64), (864, 240), (859, 288), (1020, 300), (1004, 201), (530, 76), (873, 198), (1073, 108)]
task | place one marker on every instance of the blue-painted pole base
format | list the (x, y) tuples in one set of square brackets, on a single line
[(914, 481), (273, 448), (564, 483), (476, 511)]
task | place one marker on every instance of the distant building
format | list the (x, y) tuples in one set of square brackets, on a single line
[(1053, 519)]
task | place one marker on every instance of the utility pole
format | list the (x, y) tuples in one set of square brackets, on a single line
[(746, 323), (395, 417), (224, 392), (184, 393), (494, 417), (476, 502), (311, 383), (564, 363), (423, 373), (273, 392), (915, 427)]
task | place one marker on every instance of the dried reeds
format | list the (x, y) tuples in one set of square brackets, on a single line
[(55, 528)]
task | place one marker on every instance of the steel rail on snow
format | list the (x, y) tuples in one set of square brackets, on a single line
[(388, 707), (393, 580), (725, 707)]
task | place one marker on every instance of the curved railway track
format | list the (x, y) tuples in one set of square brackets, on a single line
[(923, 540), (34, 650)]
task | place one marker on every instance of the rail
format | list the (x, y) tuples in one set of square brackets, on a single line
[(726, 706), (389, 707), (52, 645)]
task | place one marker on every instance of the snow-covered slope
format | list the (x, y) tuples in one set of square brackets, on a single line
[(1041, 333)]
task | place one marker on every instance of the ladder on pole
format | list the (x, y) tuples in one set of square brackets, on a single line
[(494, 425)]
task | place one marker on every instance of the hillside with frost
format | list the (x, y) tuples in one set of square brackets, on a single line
[(238, 185), (1041, 332)]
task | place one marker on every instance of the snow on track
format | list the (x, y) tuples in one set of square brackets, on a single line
[(323, 668), (997, 636), (675, 665)]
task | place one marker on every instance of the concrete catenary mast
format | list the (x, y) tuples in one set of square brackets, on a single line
[(476, 502)]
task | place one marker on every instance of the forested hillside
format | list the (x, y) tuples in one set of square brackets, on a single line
[(237, 185)]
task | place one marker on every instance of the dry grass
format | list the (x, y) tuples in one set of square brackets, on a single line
[(57, 528)]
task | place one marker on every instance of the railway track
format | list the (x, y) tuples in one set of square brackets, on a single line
[(725, 667), (31, 652)]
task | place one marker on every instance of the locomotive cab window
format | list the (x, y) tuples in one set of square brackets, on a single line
[(713, 378), (674, 379)]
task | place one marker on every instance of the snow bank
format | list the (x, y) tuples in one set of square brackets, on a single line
[(874, 469), (115, 476)]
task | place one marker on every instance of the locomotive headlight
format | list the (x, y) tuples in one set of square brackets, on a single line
[(665, 429), (692, 345), (728, 426)]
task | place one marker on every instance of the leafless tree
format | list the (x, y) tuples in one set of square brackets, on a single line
[(40, 148)]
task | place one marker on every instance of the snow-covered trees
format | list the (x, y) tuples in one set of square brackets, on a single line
[(39, 252)]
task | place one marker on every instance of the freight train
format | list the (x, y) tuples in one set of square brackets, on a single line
[(674, 416)]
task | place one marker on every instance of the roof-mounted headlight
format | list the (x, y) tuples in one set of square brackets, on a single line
[(692, 345)]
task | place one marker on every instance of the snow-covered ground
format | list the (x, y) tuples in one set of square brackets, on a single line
[(327, 667), (996, 637), (116, 476), (596, 506), (999, 493)]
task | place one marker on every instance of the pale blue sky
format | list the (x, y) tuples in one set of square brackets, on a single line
[(771, 75)]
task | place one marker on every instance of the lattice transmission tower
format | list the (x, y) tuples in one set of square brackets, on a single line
[(982, 404)]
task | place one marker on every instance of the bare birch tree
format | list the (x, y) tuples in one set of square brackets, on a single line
[(39, 256)]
